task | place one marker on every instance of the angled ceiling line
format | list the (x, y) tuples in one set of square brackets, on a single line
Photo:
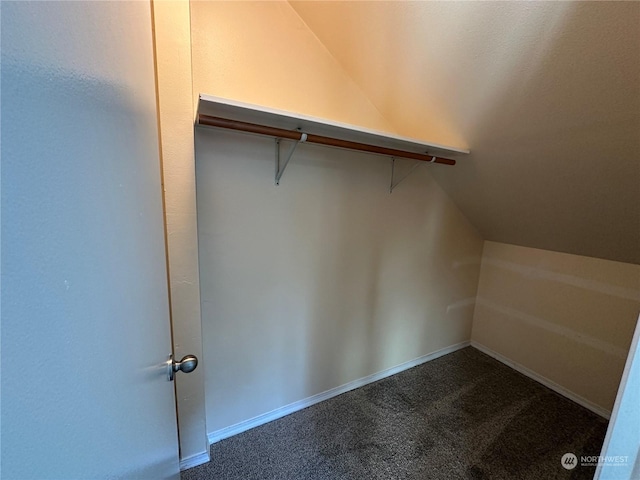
[(345, 71)]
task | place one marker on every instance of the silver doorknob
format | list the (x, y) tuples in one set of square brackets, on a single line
[(187, 365)]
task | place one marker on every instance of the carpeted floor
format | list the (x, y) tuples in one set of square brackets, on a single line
[(461, 416)]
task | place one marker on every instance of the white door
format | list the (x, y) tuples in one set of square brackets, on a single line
[(85, 323)]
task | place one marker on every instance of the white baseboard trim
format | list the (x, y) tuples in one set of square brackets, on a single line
[(194, 460), (544, 381), (232, 430)]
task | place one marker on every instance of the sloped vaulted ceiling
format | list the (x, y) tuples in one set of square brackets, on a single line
[(546, 95)]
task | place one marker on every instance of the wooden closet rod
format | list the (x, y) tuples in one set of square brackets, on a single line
[(332, 142)]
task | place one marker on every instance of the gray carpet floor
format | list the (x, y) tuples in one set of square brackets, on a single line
[(461, 416)]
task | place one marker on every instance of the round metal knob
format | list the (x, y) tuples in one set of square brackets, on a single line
[(187, 365)]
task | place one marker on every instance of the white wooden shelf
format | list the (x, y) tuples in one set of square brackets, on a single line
[(245, 112), (230, 114)]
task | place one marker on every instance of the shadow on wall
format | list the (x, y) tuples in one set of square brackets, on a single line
[(517, 56), (541, 116), (326, 278), (65, 165), (379, 267), (344, 317)]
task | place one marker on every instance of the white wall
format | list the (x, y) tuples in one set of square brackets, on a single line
[(568, 319), (238, 50), (324, 279), (327, 278)]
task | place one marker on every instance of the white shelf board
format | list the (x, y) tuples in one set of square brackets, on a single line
[(246, 112)]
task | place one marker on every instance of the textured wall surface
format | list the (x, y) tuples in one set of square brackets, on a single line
[(85, 318), (567, 318), (324, 279), (549, 110), (262, 53), (545, 94)]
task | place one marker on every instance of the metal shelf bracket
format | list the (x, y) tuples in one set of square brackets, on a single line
[(394, 184), (280, 170)]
